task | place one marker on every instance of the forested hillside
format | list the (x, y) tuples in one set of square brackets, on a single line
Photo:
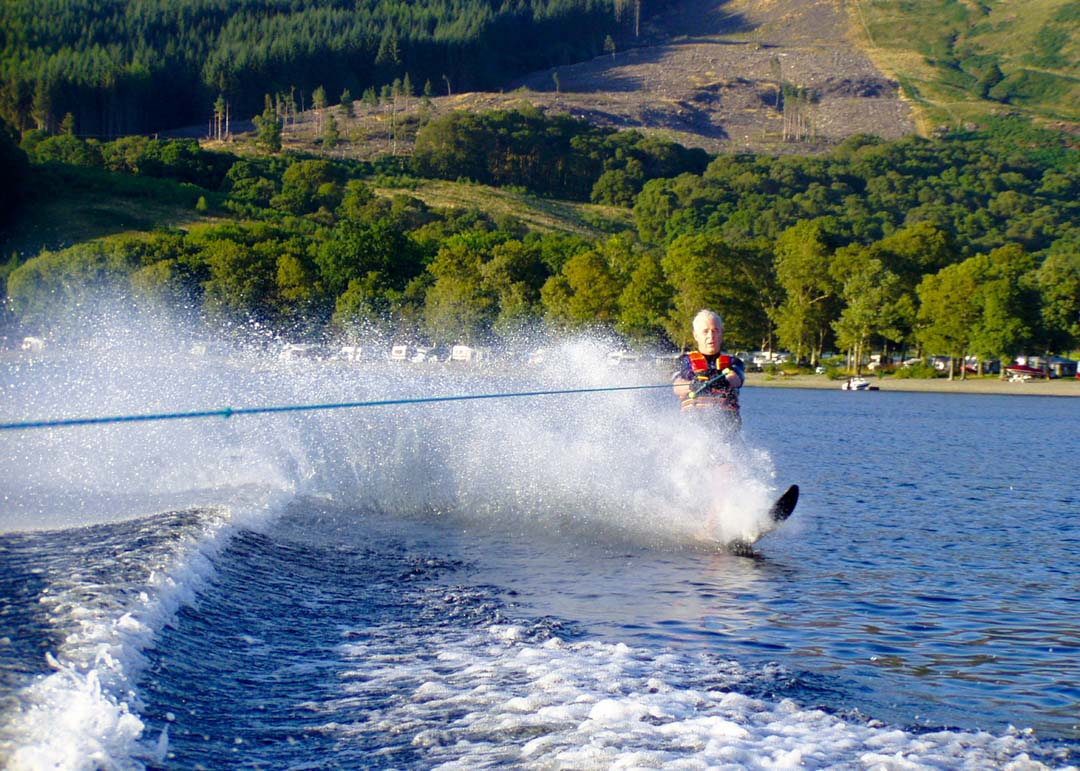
[(145, 65), (327, 227), (967, 244)]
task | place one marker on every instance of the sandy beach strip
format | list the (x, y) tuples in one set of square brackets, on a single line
[(984, 385)]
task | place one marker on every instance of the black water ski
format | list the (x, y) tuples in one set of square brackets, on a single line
[(778, 512), (785, 504)]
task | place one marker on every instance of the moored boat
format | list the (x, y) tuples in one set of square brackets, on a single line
[(858, 384)]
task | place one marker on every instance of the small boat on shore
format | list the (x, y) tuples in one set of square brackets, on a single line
[(1024, 372), (858, 384)]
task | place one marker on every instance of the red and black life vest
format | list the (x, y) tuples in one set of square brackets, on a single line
[(703, 395)]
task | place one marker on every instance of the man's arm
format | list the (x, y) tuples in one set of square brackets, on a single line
[(682, 378), (736, 374), (731, 367)]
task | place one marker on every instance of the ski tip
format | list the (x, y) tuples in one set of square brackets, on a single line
[(785, 504)]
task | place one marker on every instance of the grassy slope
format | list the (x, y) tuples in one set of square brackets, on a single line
[(541, 214), (938, 48), (80, 205), (90, 204)]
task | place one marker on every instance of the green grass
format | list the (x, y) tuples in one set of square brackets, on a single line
[(940, 50), (71, 205), (541, 214)]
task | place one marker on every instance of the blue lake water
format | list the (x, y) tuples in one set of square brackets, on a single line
[(523, 583)]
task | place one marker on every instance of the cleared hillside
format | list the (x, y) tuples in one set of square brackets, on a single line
[(765, 76)]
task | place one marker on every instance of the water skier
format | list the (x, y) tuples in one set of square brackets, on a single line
[(706, 380)]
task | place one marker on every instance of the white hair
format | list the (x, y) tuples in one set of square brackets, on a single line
[(705, 313)]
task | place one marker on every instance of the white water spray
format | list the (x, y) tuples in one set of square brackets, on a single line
[(624, 463)]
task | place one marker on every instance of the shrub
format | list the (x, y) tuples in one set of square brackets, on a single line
[(920, 371)]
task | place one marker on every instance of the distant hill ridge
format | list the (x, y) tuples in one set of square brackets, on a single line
[(777, 76), (797, 75), (747, 75)]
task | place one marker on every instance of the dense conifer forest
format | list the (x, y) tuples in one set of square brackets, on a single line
[(147, 65)]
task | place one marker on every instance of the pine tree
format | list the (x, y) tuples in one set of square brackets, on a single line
[(41, 107), (407, 90), (290, 105), (268, 125), (331, 137), (219, 117), (318, 103)]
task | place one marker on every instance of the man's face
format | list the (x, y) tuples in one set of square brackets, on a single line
[(708, 335)]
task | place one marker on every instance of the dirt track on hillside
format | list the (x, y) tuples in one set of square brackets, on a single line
[(704, 75)]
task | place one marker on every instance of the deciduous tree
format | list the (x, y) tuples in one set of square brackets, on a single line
[(1058, 280), (645, 304), (949, 311), (804, 318)]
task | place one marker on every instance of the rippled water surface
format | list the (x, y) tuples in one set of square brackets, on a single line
[(935, 558), (470, 586)]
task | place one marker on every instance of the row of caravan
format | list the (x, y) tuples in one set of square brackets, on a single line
[(421, 353), (400, 353)]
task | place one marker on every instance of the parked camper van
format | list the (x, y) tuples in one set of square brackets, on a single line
[(467, 353), (33, 345)]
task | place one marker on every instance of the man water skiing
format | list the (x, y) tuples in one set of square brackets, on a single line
[(707, 380)]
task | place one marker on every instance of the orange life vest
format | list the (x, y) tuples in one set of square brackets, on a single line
[(716, 396)]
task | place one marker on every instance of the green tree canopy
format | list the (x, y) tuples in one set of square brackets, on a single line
[(584, 294), (949, 311), (460, 306), (645, 305), (1058, 280), (1008, 303), (515, 274), (873, 307), (803, 319), (708, 272)]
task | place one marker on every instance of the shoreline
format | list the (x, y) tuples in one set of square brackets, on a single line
[(986, 385)]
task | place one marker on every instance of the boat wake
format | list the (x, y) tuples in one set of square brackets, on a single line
[(277, 587)]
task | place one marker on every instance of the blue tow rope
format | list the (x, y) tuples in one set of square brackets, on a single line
[(228, 412)]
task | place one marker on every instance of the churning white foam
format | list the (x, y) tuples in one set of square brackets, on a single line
[(617, 462), (498, 699), (85, 714), (624, 461)]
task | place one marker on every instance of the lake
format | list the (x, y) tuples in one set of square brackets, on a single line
[(523, 582)]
